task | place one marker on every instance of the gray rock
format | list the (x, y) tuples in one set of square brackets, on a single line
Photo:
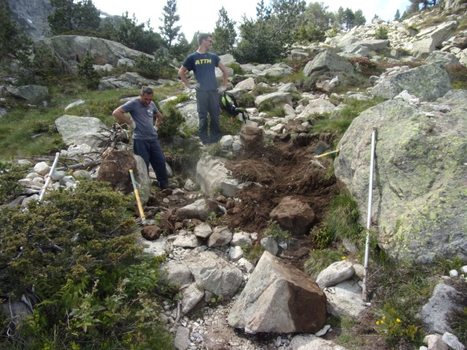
[(81, 130), (420, 156), (221, 236), (177, 273), (335, 273), (214, 274), (345, 299), (435, 314), (270, 245), (452, 341), (33, 94), (328, 61), (182, 338), (311, 342), (191, 296), (69, 49), (31, 16), (428, 82), (203, 230)]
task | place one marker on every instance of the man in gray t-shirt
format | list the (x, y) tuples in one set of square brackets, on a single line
[(145, 115), (203, 64)]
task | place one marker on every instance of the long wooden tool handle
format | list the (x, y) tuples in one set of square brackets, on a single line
[(138, 199)]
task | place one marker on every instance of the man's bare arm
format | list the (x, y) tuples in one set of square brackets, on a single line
[(225, 74), (121, 116), (182, 74)]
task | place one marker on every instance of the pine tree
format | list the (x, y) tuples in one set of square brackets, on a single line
[(224, 33), (69, 17), (169, 31), (397, 16)]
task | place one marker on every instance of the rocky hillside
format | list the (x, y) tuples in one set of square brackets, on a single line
[(239, 228)]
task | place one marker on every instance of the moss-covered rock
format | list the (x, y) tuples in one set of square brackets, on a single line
[(419, 190)]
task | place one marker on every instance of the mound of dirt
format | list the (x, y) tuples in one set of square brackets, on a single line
[(280, 170)]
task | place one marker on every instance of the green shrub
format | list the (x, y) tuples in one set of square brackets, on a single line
[(173, 120), (253, 253), (341, 221), (399, 290), (79, 257), (87, 72), (321, 258), (9, 176), (45, 65), (246, 100), (230, 125), (394, 327), (381, 32), (156, 67), (274, 230), (237, 69)]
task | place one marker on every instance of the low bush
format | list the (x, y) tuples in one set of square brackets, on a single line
[(381, 32), (9, 176), (75, 256)]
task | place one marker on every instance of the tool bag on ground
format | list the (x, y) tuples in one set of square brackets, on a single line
[(229, 105)]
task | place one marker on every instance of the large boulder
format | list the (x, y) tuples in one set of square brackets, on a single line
[(436, 314), (32, 94), (431, 38), (77, 130), (328, 61), (71, 49), (278, 299), (427, 82), (419, 188), (32, 16)]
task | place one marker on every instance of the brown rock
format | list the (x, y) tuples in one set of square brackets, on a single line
[(151, 232), (114, 169), (293, 215)]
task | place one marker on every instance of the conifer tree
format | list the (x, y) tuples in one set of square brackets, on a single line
[(224, 33), (397, 16), (169, 31)]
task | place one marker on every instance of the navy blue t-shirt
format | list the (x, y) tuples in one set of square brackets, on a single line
[(143, 117), (204, 66)]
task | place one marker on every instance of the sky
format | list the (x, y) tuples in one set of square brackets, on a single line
[(201, 15)]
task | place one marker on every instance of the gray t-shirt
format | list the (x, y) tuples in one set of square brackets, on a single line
[(143, 117)]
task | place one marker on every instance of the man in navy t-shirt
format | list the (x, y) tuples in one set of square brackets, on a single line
[(203, 64), (145, 116)]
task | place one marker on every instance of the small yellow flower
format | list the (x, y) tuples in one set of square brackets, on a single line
[(377, 323), (343, 257), (398, 320)]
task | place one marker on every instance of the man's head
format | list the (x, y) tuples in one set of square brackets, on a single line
[(146, 95), (205, 40)]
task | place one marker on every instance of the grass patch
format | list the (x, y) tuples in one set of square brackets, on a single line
[(321, 258), (458, 75), (230, 125), (26, 132), (339, 124), (30, 131), (399, 290)]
